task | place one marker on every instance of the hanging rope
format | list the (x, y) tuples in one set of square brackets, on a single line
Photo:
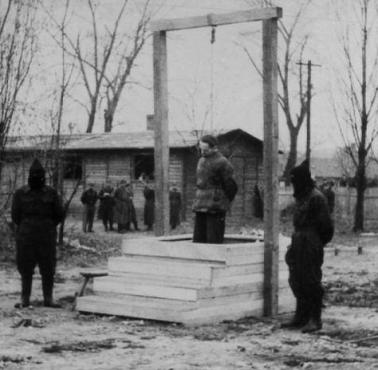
[(212, 41)]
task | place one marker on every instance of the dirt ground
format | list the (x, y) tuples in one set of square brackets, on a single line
[(45, 338)]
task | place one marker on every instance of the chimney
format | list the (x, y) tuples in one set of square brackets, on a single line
[(150, 122)]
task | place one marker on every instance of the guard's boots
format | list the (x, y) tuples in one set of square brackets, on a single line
[(315, 322), (300, 318), (26, 287), (47, 288)]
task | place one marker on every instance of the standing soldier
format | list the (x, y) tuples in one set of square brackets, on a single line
[(36, 211), (313, 229), (106, 206), (89, 199), (216, 189), (175, 206), (133, 218), (330, 195), (149, 205), (122, 207)]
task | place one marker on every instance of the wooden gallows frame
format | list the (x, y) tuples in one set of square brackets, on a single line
[(269, 18)]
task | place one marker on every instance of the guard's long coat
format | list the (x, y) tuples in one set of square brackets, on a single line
[(313, 229), (36, 214)]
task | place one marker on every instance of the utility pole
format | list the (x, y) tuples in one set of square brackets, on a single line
[(308, 109)]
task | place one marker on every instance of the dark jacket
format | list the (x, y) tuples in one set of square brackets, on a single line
[(214, 173), (174, 207), (122, 209), (106, 197), (313, 229), (36, 214), (89, 198), (149, 206), (311, 219)]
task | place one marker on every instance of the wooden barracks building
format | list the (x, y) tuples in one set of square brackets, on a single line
[(115, 156)]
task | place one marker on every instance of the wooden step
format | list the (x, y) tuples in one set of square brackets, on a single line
[(127, 308), (147, 265), (184, 248), (162, 280), (186, 315), (120, 286)]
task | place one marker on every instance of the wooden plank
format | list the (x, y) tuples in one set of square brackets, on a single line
[(228, 299), (160, 303), (208, 315), (251, 15), (185, 249), (119, 307), (246, 279), (271, 206), (162, 280), (235, 285), (122, 264), (161, 153), (179, 249), (122, 286), (204, 312)]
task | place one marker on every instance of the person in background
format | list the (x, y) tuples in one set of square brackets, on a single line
[(133, 218), (149, 204), (216, 189), (106, 206), (330, 195), (174, 206), (313, 229), (122, 207), (89, 199), (36, 212)]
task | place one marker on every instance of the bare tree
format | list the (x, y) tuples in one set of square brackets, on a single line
[(17, 49), (93, 65), (345, 162), (126, 60), (293, 50), (357, 114), (55, 157)]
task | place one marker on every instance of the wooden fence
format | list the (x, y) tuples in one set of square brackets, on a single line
[(345, 203)]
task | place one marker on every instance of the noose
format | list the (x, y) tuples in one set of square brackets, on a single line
[(212, 41)]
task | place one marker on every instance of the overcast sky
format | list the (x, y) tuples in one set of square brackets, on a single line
[(198, 70)]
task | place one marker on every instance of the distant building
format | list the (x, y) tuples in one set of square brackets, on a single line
[(115, 156)]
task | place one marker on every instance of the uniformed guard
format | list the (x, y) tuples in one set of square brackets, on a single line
[(36, 211), (106, 208), (175, 204), (313, 229), (89, 199)]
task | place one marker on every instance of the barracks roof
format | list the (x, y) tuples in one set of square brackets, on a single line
[(119, 140)]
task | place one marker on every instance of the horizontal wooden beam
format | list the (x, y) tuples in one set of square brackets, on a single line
[(251, 15)]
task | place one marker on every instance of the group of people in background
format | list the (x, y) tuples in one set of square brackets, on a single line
[(116, 206)]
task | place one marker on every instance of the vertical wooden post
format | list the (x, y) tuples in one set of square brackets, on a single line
[(271, 219), (161, 133)]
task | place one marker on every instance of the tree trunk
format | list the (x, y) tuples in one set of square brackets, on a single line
[(292, 158), (111, 109), (92, 115), (360, 188), (108, 118)]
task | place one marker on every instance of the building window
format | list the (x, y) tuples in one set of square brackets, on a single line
[(73, 169), (144, 166)]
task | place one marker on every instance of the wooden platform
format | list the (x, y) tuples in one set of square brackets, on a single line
[(174, 279)]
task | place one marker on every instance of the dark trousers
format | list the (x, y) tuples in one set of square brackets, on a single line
[(209, 227), (107, 218), (28, 256), (88, 217), (305, 276)]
